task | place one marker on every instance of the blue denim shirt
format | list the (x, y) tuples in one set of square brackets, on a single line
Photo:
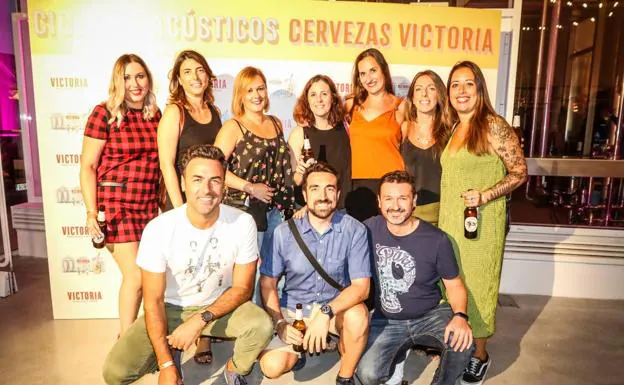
[(343, 252)]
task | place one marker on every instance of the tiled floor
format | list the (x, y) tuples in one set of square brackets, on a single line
[(550, 341)]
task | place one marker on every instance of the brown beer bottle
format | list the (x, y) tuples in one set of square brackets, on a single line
[(307, 149), (471, 222), (300, 325), (99, 242)]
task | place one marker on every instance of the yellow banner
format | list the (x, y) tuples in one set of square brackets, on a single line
[(271, 29)]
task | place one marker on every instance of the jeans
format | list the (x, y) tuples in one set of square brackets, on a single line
[(389, 339), (274, 218), (132, 356)]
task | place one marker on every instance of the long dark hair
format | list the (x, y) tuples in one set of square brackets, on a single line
[(442, 119), (360, 94), (176, 92), (302, 112), (476, 139)]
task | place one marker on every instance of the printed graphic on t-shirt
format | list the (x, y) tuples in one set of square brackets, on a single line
[(204, 261), (397, 271)]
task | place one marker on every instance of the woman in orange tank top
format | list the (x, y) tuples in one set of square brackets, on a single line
[(375, 131)]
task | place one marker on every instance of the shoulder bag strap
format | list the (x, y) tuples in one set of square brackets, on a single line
[(319, 269)]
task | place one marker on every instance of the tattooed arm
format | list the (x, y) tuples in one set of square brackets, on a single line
[(506, 145)]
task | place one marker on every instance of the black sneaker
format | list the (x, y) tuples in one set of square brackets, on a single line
[(475, 372), (233, 378), (344, 381)]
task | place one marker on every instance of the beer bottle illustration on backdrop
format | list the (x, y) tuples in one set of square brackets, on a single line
[(471, 222), (300, 325), (100, 241), (308, 155)]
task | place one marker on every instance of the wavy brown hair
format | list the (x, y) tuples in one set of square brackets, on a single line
[(303, 113), (442, 119), (241, 82), (176, 92), (360, 94), (476, 139), (116, 102)]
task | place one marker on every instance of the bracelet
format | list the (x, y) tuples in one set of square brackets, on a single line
[(166, 364), (279, 322), (461, 315)]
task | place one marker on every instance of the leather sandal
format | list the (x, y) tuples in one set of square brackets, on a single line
[(205, 357)]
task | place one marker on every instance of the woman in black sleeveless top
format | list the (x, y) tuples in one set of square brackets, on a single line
[(426, 129), (320, 113), (189, 118), (259, 175)]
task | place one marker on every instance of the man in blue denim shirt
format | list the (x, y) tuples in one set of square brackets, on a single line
[(340, 245), (410, 256)]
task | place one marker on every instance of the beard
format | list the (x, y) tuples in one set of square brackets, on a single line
[(322, 213), (397, 217)]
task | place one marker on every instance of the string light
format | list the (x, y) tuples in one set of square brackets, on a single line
[(569, 3), (575, 23), (616, 4), (593, 19), (610, 14), (584, 5)]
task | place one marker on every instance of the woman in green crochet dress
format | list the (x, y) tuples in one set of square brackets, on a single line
[(482, 163)]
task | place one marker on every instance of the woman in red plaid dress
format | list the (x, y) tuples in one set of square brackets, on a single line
[(119, 170)]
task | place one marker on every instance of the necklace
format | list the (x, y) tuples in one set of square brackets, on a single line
[(423, 140)]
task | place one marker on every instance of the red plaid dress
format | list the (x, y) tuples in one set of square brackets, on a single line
[(130, 156)]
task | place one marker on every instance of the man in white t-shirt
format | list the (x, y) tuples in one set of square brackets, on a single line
[(198, 265)]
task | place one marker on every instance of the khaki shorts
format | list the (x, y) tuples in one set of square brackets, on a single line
[(289, 315)]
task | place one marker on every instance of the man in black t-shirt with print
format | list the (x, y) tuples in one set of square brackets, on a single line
[(410, 256)]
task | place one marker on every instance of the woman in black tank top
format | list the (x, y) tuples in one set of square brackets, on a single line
[(320, 113), (426, 130), (259, 176), (189, 118)]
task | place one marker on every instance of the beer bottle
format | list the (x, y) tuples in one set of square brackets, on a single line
[(307, 150), (300, 325), (100, 241), (471, 222)]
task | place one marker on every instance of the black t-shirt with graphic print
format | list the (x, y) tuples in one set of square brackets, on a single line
[(406, 269)]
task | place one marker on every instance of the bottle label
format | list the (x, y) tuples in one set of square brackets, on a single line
[(98, 238), (298, 314), (471, 224)]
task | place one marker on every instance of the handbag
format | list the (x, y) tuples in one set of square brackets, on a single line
[(255, 207), (162, 188), (319, 269)]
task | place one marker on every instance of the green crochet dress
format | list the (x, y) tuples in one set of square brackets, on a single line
[(479, 259)]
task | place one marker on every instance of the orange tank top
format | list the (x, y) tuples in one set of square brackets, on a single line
[(375, 145)]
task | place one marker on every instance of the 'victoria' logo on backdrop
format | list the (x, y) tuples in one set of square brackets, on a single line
[(68, 82), (219, 84), (75, 231), (68, 159), (71, 195), (84, 265), (84, 296), (68, 121), (344, 88)]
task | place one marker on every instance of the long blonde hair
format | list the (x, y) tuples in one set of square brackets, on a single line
[(116, 102)]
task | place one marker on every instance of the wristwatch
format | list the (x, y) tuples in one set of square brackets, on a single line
[(461, 314), (326, 309), (207, 316)]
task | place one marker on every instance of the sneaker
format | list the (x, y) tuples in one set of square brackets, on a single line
[(475, 372), (344, 381), (233, 378)]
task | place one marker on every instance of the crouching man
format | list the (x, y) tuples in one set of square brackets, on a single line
[(339, 244), (410, 256), (198, 266)]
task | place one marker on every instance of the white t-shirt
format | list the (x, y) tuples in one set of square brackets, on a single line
[(198, 263)]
